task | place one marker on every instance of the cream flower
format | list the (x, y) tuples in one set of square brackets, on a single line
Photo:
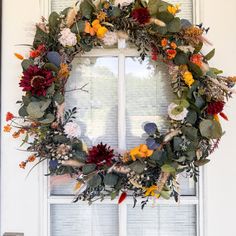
[(123, 2), (110, 38), (72, 130), (180, 116), (67, 38)]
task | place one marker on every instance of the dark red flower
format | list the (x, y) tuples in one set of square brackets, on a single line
[(141, 15), (122, 197), (215, 107), (9, 116), (36, 80), (100, 155)]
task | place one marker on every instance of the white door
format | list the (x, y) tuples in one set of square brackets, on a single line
[(34, 207)]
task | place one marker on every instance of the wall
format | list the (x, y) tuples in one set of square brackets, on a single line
[(221, 173), (20, 196)]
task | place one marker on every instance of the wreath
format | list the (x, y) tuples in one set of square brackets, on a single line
[(151, 169)]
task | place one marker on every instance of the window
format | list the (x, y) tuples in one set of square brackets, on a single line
[(123, 93)]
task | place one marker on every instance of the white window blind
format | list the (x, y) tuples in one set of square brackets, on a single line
[(146, 94)]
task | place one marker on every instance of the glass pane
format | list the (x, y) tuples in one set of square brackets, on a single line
[(187, 185), (84, 220), (162, 221), (148, 94), (97, 108), (59, 5)]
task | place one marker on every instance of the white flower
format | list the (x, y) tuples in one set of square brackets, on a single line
[(67, 38), (186, 49), (180, 116), (123, 2), (110, 38), (72, 130)]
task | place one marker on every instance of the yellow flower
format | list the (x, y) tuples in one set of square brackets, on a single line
[(188, 78), (141, 151), (64, 71), (152, 191), (101, 32), (173, 9), (101, 16)]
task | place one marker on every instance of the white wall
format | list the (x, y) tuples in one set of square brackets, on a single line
[(221, 173), (18, 211)]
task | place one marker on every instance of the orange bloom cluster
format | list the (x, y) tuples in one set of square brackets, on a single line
[(197, 59), (141, 151), (7, 128), (37, 52), (95, 28), (31, 158), (18, 133), (170, 52)]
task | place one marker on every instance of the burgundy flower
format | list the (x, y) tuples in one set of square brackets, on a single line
[(215, 107), (36, 80), (100, 155), (141, 15)]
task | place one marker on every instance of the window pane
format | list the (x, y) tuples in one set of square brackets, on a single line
[(148, 94), (59, 5), (84, 220), (97, 108), (162, 221)]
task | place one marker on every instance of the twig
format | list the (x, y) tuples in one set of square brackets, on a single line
[(78, 89)]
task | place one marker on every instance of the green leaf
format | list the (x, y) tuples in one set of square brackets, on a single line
[(191, 117), (210, 55), (190, 132), (182, 102), (165, 194), (59, 98), (216, 71), (115, 11), (26, 64), (51, 67), (54, 20), (165, 17), (176, 143), (110, 179), (195, 69), (87, 8), (137, 167), (51, 90), (177, 110), (34, 110), (89, 168), (153, 6), (211, 129), (201, 162), (181, 59), (168, 169), (198, 48), (48, 119), (22, 112), (95, 181), (40, 37), (44, 104), (175, 25), (78, 27)]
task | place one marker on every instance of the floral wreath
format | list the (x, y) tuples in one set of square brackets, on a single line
[(151, 169)]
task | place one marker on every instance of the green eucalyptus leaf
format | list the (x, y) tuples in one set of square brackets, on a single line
[(198, 48), (34, 110), (23, 112), (216, 71), (54, 20), (95, 181), (153, 6), (168, 169), (115, 11), (51, 67), (165, 194), (60, 139), (137, 167), (51, 90), (211, 129), (195, 69), (45, 104), (210, 55), (181, 59), (110, 179), (190, 132), (48, 119), (175, 25), (78, 27), (191, 117), (58, 98), (26, 64), (177, 141), (89, 168), (87, 8)]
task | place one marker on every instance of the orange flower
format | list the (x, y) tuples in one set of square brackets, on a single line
[(164, 42), (171, 53), (7, 128), (197, 59), (31, 158), (173, 45), (16, 135), (141, 151), (64, 71), (20, 57), (22, 165), (88, 29), (9, 116)]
